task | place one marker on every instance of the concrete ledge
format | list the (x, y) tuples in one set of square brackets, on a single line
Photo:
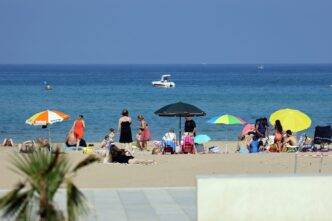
[(257, 197)]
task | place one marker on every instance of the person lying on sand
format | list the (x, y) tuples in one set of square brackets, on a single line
[(8, 142), (117, 155), (30, 145)]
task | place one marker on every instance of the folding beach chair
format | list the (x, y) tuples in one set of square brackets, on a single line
[(323, 135), (169, 147)]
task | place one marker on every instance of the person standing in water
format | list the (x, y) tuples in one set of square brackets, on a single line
[(78, 127), (124, 129)]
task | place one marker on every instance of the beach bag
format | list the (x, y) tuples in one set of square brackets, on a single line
[(82, 143), (88, 150)]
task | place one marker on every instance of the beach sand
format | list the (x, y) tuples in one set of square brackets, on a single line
[(178, 170)]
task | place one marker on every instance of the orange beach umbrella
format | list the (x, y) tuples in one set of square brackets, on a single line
[(47, 117)]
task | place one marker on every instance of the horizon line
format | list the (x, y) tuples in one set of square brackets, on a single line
[(203, 63)]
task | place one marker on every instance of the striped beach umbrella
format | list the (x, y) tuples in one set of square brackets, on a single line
[(226, 119), (47, 117)]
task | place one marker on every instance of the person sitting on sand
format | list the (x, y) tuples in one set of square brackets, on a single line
[(8, 142), (108, 139), (289, 140), (244, 142), (117, 155), (71, 139), (169, 140)]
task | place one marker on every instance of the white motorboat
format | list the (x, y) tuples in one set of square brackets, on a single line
[(260, 67), (164, 82)]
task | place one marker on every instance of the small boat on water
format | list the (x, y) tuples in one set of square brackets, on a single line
[(48, 87), (260, 67), (165, 82)]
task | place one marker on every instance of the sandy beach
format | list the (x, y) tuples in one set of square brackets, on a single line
[(179, 170)]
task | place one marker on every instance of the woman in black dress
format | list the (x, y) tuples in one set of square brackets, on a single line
[(125, 130)]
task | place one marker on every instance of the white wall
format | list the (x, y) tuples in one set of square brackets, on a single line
[(266, 198)]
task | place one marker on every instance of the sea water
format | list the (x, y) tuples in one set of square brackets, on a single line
[(100, 92)]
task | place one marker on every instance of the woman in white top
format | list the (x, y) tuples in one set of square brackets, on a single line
[(170, 136)]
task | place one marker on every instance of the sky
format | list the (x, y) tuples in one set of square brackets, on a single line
[(165, 31)]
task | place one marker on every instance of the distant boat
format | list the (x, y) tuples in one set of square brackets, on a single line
[(260, 67), (48, 87), (164, 82)]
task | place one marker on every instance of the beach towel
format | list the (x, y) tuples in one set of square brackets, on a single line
[(215, 149)]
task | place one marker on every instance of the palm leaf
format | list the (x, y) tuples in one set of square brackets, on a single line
[(76, 202), (87, 161), (15, 201)]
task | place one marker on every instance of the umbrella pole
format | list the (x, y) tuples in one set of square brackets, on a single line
[(49, 134), (180, 128)]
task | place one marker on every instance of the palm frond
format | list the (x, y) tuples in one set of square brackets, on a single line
[(76, 202), (87, 161), (54, 160), (15, 201)]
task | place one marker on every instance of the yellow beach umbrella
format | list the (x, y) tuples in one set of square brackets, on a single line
[(291, 119)]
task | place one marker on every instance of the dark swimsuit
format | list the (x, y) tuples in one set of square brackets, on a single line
[(122, 158), (125, 134)]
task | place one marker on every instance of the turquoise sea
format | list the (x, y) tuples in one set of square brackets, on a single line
[(100, 92)]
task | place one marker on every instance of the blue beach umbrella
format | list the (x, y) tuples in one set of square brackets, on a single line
[(202, 138)]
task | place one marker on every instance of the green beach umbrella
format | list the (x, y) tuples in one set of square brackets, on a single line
[(226, 119)]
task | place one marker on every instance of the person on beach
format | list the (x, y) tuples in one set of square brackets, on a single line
[(124, 129), (189, 125), (278, 135), (108, 139), (170, 136), (8, 142), (144, 132), (289, 140), (188, 144), (71, 139), (261, 127), (169, 141), (78, 128), (244, 143), (117, 155)]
